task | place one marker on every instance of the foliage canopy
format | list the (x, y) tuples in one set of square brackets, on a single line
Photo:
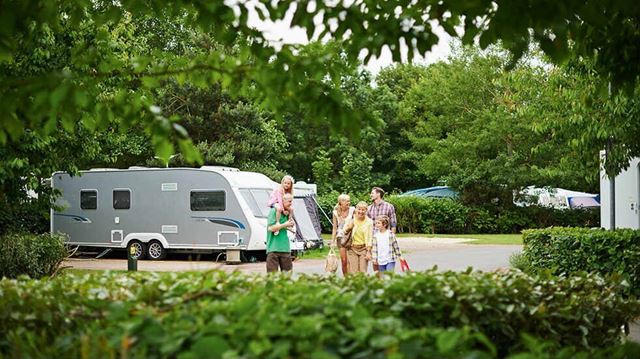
[(86, 83)]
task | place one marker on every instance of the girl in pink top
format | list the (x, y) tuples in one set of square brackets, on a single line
[(275, 200)]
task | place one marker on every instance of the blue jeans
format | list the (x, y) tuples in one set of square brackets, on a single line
[(387, 267)]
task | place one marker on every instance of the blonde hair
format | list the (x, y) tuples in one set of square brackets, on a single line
[(362, 204), (287, 177), (384, 220), (341, 198)]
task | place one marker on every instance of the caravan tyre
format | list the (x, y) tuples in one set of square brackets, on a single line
[(155, 250), (140, 250)]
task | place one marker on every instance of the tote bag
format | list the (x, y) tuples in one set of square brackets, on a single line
[(331, 263)]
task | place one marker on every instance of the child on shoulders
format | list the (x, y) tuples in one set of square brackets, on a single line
[(275, 200)]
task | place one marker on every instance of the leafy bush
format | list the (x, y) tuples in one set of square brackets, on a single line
[(414, 214), (518, 218), (441, 216), (479, 220), (408, 213), (519, 261), (186, 315), (29, 254), (569, 250), (24, 217), (429, 215)]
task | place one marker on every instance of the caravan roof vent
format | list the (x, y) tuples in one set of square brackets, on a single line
[(220, 168), (138, 168), (103, 169)]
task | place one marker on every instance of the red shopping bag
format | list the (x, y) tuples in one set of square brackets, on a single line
[(404, 265)]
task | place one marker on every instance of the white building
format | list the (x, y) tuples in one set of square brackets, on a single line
[(627, 195)]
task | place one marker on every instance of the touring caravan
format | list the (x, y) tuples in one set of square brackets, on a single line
[(155, 210)]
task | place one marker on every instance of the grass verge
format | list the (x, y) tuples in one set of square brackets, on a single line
[(320, 253), (514, 239)]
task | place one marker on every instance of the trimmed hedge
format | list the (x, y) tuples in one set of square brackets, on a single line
[(214, 314), (425, 215), (569, 250), (30, 254), (517, 219)]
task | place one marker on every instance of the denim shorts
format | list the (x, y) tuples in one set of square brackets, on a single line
[(387, 267)]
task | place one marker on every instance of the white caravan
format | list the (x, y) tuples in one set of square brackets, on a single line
[(155, 210)]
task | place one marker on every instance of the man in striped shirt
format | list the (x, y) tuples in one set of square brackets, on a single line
[(381, 208)]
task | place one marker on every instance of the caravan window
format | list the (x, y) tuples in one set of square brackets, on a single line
[(257, 200), (88, 199), (208, 200), (121, 199), (251, 202)]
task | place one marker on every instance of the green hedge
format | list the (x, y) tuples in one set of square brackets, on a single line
[(423, 215), (568, 250), (517, 219), (418, 215), (29, 254), (24, 217), (211, 314)]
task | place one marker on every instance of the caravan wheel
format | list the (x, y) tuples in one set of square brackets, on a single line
[(139, 249), (155, 250)]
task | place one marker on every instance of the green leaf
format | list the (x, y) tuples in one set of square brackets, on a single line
[(150, 82), (163, 147), (487, 38), (13, 127), (81, 97), (58, 95), (68, 123), (209, 347), (190, 152), (448, 340)]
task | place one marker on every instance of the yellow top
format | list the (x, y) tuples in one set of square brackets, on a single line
[(362, 231)]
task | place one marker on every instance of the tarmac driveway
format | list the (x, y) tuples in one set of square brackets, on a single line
[(421, 253)]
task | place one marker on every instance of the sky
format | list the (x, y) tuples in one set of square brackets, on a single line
[(280, 32)]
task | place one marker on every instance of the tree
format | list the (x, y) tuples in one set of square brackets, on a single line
[(604, 33), (103, 69), (66, 146), (594, 121), (322, 168), (396, 160), (314, 142), (355, 176), (476, 129), (73, 92), (227, 131), (607, 32), (79, 67)]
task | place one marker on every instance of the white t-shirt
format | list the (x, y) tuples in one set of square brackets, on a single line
[(384, 247)]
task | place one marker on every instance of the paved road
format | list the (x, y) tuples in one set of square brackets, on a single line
[(421, 253)]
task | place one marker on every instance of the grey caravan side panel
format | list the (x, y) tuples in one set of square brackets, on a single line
[(160, 204)]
